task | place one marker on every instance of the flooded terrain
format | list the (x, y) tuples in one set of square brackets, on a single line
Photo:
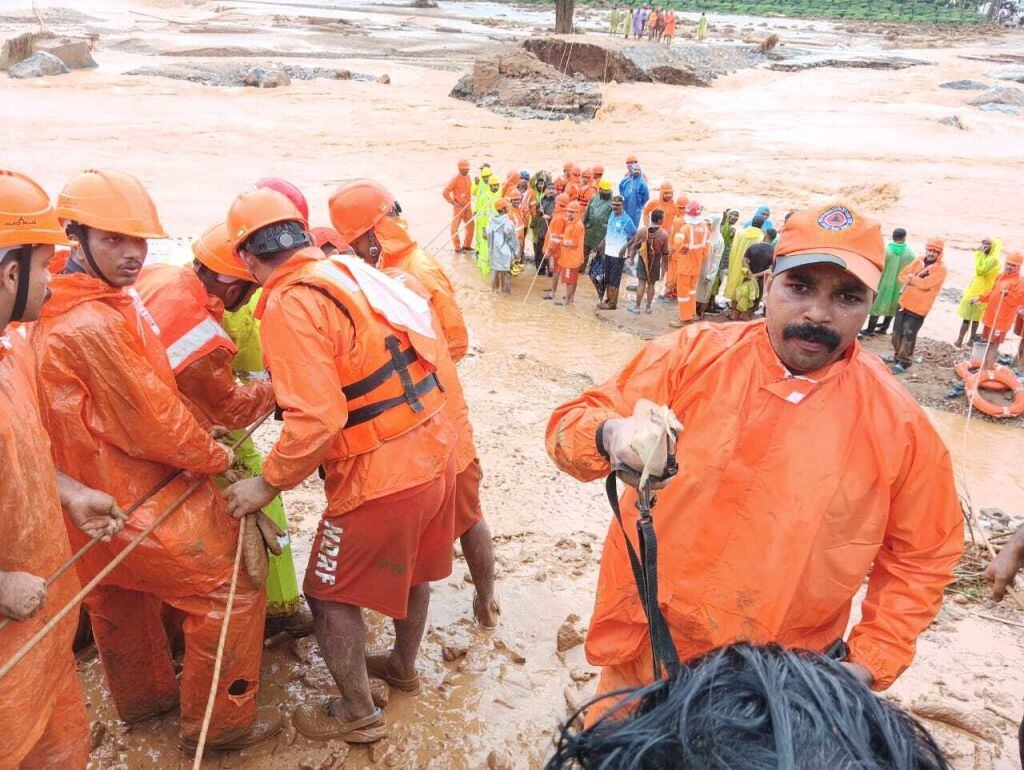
[(756, 135)]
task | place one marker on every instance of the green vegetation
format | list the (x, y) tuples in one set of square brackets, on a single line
[(939, 11)]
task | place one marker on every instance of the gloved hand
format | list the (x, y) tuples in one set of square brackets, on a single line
[(21, 594), (639, 447)]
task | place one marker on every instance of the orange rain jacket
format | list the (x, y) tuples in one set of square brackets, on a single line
[(790, 490), (402, 252), (458, 191), (1001, 309), (117, 423), (690, 245), (919, 294), (32, 530), (306, 339), (570, 251), (668, 207), (199, 350)]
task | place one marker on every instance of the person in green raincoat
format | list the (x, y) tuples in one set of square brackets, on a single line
[(285, 609), (702, 26), (614, 20), (986, 271), (741, 241), (897, 256), (483, 209)]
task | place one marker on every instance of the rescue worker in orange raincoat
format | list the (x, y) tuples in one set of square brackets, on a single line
[(1005, 305), (922, 281), (42, 711), (380, 243), (188, 304), (352, 356), (802, 469), (458, 194), (117, 422), (553, 243), (690, 249)]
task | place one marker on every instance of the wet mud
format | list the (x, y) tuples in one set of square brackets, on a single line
[(789, 139)]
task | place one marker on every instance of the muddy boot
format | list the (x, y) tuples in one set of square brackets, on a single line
[(298, 624), (611, 299), (267, 723)]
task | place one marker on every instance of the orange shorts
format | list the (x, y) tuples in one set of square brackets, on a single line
[(569, 275), (993, 336), (467, 498), (371, 556)]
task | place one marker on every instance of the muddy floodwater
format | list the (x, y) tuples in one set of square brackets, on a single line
[(786, 139)]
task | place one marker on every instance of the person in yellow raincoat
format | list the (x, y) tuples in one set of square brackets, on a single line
[(742, 240), (285, 608), (986, 271), (483, 209)]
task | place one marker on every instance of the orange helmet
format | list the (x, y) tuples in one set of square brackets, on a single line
[(598, 170), (214, 250), (1014, 258), (501, 204), (631, 159), (562, 200), (26, 216), (682, 200), (587, 173), (936, 243), (464, 164), (666, 187), (255, 209), (574, 207), (289, 191), (357, 206), (322, 236), (111, 201)]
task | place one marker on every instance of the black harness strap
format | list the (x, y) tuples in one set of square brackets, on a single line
[(81, 234), (368, 412), (645, 574), (412, 396), (23, 256), (374, 380)]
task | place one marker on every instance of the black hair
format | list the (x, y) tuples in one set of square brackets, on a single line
[(657, 217), (771, 233), (744, 707), (899, 235), (758, 221)]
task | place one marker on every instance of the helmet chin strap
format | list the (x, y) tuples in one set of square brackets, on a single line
[(23, 257), (375, 247), (81, 234)]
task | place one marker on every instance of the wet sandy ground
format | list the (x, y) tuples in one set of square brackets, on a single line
[(788, 139)]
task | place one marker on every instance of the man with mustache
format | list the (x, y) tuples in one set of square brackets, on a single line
[(802, 469)]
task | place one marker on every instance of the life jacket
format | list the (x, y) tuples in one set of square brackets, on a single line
[(388, 377), (185, 314)]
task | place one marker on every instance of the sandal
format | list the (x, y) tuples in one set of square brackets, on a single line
[(495, 608), (319, 722), (377, 666)]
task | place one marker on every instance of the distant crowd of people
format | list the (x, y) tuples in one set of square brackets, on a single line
[(657, 23)]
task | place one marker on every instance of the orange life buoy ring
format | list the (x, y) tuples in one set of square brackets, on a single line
[(972, 368), (1005, 376)]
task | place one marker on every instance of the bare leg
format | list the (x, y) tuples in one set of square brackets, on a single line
[(409, 633), (650, 295), (963, 333), (1019, 362), (478, 548), (974, 330), (570, 292), (341, 633)]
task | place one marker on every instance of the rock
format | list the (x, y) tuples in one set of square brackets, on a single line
[(853, 61), (500, 759), (266, 78), (76, 54), (954, 121), (452, 652), (573, 700), (964, 85), (955, 716), (514, 654), (99, 732), (569, 634), (581, 675), (385, 79), (1013, 72), (999, 95), (423, 4), (1006, 109), (38, 65)]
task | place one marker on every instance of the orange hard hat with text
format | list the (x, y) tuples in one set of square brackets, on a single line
[(255, 209), (215, 250), (358, 205), (110, 200), (289, 191), (26, 216), (833, 233)]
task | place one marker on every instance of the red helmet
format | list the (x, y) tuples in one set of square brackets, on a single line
[(288, 190), (693, 209)]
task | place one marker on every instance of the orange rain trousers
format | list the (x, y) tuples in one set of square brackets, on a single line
[(790, 492), (42, 716), (118, 423), (136, 655), (462, 217)]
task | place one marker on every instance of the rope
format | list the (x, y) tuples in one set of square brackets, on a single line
[(66, 609), (96, 538), (220, 647)]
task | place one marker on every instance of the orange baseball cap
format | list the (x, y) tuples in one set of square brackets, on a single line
[(836, 234)]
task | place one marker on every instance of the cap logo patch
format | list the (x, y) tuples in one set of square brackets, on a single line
[(836, 219)]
